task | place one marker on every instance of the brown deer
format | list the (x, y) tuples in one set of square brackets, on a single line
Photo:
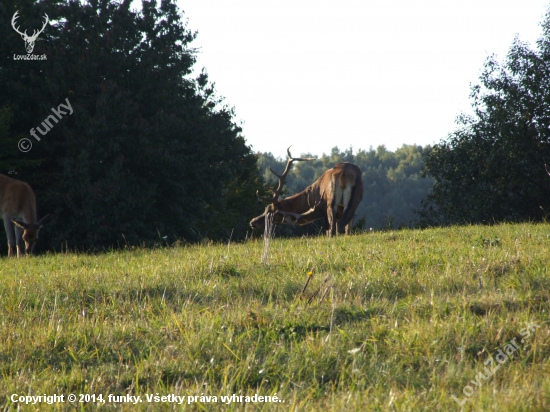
[(334, 197), (18, 209)]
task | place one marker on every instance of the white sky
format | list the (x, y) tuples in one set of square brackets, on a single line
[(319, 74)]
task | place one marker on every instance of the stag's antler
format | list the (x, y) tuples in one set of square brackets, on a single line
[(25, 35), (15, 16), (277, 192)]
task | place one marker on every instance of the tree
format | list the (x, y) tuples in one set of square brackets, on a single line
[(150, 153), (492, 167)]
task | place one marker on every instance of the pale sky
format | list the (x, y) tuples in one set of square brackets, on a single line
[(319, 74)]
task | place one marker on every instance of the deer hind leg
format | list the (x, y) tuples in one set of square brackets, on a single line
[(346, 197), (332, 211), (10, 233), (331, 220), (20, 241)]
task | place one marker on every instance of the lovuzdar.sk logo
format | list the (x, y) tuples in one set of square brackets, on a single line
[(29, 40)]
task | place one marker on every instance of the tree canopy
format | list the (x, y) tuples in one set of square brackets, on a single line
[(492, 167), (150, 152)]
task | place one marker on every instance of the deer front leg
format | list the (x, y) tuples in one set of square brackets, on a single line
[(20, 241), (10, 233)]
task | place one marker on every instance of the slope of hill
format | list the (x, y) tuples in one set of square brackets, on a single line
[(413, 320)]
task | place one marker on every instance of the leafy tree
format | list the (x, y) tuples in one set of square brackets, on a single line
[(9, 142), (150, 153), (492, 167), (393, 186)]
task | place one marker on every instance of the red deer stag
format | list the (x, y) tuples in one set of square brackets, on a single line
[(18, 208), (334, 197)]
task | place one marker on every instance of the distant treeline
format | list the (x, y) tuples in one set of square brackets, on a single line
[(393, 184)]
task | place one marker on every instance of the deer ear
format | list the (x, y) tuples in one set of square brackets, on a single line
[(45, 219), (20, 224)]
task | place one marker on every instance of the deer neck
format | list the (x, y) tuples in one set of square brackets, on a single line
[(297, 203)]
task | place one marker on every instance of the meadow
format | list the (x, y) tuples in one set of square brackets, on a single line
[(388, 321)]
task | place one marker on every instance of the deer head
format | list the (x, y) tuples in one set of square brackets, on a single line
[(29, 40), (30, 232), (275, 208)]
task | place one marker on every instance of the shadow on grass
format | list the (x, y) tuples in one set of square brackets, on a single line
[(539, 301), (298, 331)]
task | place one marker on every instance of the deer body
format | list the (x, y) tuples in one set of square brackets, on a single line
[(341, 190), (334, 197), (18, 210)]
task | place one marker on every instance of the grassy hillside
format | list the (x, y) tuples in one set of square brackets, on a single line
[(404, 321)]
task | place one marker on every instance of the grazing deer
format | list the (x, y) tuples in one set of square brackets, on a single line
[(334, 197), (18, 209)]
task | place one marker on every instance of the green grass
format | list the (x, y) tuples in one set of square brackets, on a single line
[(405, 320)]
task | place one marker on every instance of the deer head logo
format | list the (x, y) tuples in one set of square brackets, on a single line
[(29, 40)]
